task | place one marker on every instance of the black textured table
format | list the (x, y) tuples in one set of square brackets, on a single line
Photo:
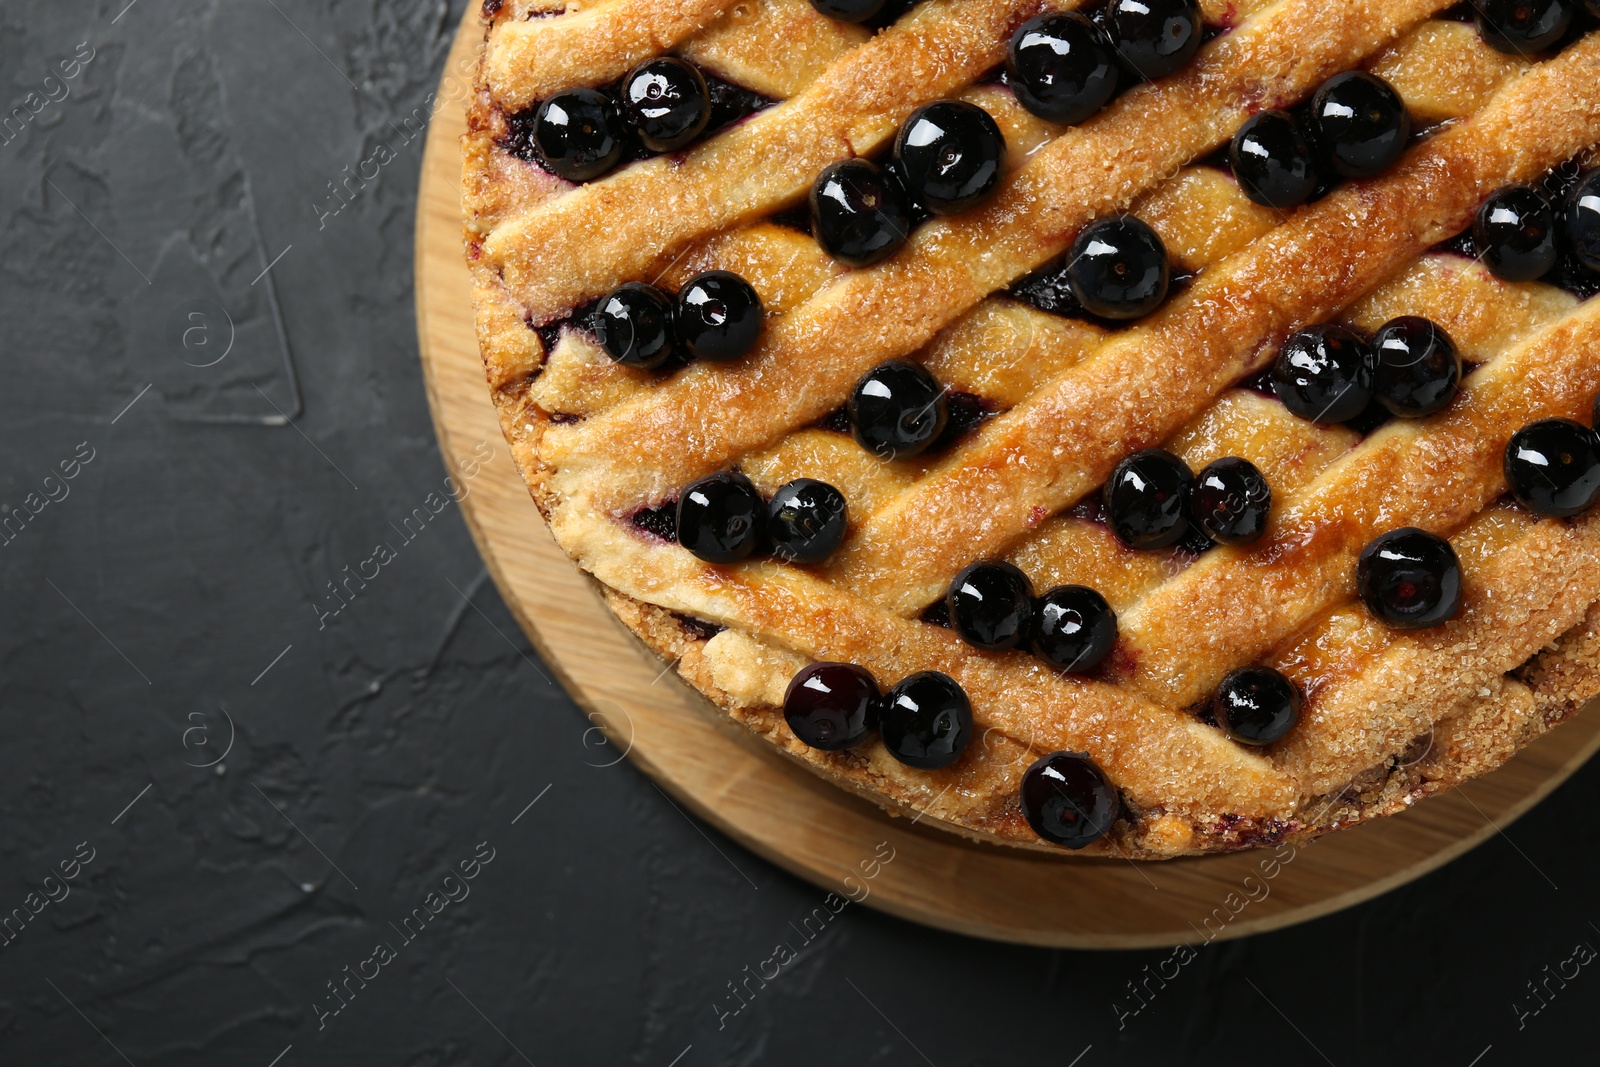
[(282, 781)]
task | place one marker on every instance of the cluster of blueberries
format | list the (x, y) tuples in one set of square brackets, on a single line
[(925, 721), (1328, 373), (1519, 234), (1356, 127), (948, 155), (580, 134), (721, 518), (992, 606), (1065, 68), (716, 316), (946, 159)]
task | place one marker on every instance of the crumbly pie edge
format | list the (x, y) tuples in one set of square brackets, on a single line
[(1471, 737)]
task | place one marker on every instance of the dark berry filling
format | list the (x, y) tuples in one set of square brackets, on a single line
[(859, 212), (1231, 501), (926, 720), (1068, 800), (1049, 290), (897, 410), (832, 706), (1073, 628), (659, 522), (699, 629), (968, 411), (806, 521), (721, 518), (580, 319), (1256, 705), (1419, 368), (731, 104), (991, 605), (1061, 67), (1410, 579), (1553, 467), (1147, 498)]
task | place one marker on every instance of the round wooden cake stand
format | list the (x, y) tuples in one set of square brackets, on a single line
[(803, 824)]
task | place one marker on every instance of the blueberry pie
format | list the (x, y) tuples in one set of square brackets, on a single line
[(1138, 429)]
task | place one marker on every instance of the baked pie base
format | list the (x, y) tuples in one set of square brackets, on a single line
[(1521, 659)]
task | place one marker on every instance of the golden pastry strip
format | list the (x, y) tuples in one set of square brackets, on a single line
[(529, 59), (774, 47)]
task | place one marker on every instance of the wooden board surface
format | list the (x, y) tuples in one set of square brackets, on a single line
[(781, 811)]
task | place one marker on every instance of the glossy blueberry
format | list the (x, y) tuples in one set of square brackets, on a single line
[(859, 212), (897, 410), (849, 10), (1360, 124), (1118, 268), (832, 705), (948, 154), (1073, 628), (1231, 501), (1068, 800), (926, 720), (1256, 705), (1324, 373), (990, 605), (721, 518), (634, 325), (578, 134), (806, 521), (718, 316), (1553, 467), (1518, 27), (1147, 499), (1154, 37), (666, 101), (1061, 67), (1419, 368), (1273, 160), (1410, 579), (1516, 231), (1583, 220)]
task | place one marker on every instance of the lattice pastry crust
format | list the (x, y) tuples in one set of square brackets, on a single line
[(1389, 715)]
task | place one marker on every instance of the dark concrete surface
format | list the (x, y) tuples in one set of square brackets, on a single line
[(171, 598)]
